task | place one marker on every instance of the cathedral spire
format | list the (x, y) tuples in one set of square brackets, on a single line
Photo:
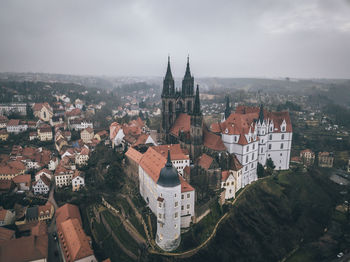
[(188, 81), (197, 106), (261, 114), (188, 71), (228, 108), (168, 82), (168, 163)]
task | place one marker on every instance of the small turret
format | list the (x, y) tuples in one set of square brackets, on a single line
[(168, 176), (261, 114)]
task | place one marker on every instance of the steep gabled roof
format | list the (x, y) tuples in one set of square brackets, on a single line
[(133, 154), (182, 124), (176, 152), (213, 141)]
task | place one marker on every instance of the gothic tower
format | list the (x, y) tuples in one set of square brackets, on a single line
[(187, 91), (196, 128), (168, 103), (228, 108)]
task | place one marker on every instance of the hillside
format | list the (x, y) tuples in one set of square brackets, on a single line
[(273, 217)]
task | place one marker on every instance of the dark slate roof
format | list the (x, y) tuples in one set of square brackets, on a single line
[(168, 176), (32, 213)]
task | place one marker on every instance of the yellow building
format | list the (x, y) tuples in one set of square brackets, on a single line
[(45, 133)]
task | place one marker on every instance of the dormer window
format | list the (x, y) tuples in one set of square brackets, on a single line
[(283, 129)]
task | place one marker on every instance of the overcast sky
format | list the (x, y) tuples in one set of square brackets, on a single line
[(247, 38)]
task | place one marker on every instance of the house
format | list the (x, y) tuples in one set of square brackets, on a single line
[(78, 181), (42, 185), (16, 126), (79, 124), (33, 136), (308, 157), (325, 159), (45, 133), (102, 135), (74, 243), (3, 121), (39, 213), (87, 134), (23, 182), (43, 111), (3, 135), (7, 217), (79, 103), (53, 163), (6, 186), (73, 114), (82, 157), (13, 108), (11, 169), (63, 176), (45, 172)]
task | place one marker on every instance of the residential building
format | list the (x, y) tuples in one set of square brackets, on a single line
[(308, 157), (13, 108), (23, 182), (45, 172), (63, 177), (39, 213), (42, 185), (78, 181), (45, 133), (43, 111), (82, 157), (16, 126), (325, 159), (87, 134), (3, 121)]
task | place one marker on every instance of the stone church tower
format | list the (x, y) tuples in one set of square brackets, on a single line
[(175, 102), (196, 128)]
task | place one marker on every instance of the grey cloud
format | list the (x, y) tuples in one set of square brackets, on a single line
[(225, 38)]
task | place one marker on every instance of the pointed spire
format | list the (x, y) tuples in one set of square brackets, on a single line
[(168, 163), (261, 114), (197, 106), (168, 82), (168, 74), (228, 108), (188, 71)]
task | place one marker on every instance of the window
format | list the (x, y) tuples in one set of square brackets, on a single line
[(253, 146), (247, 148), (176, 204), (246, 159), (262, 150), (182, 196), (281, 145), (235, 139), (282, 136), (176, 214), (175, 195), (270, 136), (188, 195), (232, 183), (175, 225), (160, 216), (160, 204), (270, 146), (182, 207), (253, 156), (188, 206), (246, 168)]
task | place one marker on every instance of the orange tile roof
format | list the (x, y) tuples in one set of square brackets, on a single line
[(176, 152), (185, 187), (234, 163), (205, 161), (89, 130), (224, 175), (182, 123), (133, 154), (40, 228), (13, 122), (141, 140), (67, 211), (3, 213), (213, 141), (22, 179), (152, 162), (187, 170), (39, 106), (74, 241)]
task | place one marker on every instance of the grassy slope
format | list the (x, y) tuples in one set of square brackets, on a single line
[(272, 218)]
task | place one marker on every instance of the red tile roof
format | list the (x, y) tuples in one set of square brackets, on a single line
[(13, 122), (31, 248), (22, 179), (185, 187), (213, 141), (152, 162), (134, 155), (176, 152), (67, 211), (74, 242), (182, 124), (6, 234), (205, 161)]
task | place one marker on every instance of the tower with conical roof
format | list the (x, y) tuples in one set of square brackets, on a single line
[(196, 127), (168, 207), (168, 103)]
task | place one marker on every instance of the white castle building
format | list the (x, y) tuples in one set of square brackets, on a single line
[(254, 135), (168, 195)]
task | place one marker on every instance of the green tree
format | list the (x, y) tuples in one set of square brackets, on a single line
[(260, 170)]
